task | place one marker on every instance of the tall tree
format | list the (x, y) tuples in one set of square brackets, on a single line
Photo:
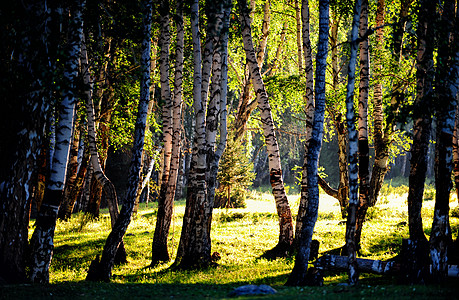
[(195, 245), (353, 154), (309, 97), (364, 155), (446, 88), (170, 167), (280, 196), (298, 275), (43, 236), (385, 119), (422, 115), (27, 72), (101, 270)]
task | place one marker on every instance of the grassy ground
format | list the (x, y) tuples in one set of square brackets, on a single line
[(240, 236)]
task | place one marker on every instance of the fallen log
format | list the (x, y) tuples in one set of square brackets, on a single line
[(337, 262), (341, 263)]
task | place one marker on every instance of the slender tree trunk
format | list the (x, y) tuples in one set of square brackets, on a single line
[(353, 151), (342, 193), (364, 155), (216, 113), (72, 172), (101, 271), (98, 173), (166, 199), (43, 236), (246, 104), (383, 134), (419, 257), (282, 205), (456, 154), (446, 87), (299, 272), (194, 246), (422, 120), (309, 95)]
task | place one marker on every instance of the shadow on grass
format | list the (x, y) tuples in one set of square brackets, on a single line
[(74, 255)]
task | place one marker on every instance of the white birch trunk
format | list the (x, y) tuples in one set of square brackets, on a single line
[(282, 205), (298, 275), (42, 242), (101, 271), (353, 150)]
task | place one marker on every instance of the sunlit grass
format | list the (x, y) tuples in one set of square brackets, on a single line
[(240, 236)]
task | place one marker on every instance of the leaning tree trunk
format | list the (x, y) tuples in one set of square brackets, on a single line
[(167, 194), (363, 148), (101, 271), (43, 236), (283, 209), (446, 92), (246, 104), (353, 151), (98, 173), (298, 275), (309, 97)]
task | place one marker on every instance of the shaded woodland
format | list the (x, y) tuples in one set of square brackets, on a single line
[(110, 104)]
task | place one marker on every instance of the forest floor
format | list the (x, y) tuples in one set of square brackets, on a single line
[(240, 236)]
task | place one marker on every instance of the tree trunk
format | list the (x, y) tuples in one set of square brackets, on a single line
[(167, 194), (309, 97), (195, 245), (353, 151), (43, 236), (282, 205), (103, 182), (27, 102), (216, 113), (364, 155), (446, 88), (383, 134), (422, 120), (101, 271), (311, 190), (246, 104)]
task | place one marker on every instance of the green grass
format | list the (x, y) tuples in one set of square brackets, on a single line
[(240, 236)]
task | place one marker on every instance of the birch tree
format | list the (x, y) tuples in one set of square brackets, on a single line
[(363, 147), (42, 239), (446, 88), (280, 196), (353, 150), (171, 166), (422, 118), (101, 270), (309, 97), (195, 245), (28, 70), (299, 272)]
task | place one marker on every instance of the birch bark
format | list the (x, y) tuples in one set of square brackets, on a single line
[(166, 200), (42, 242), (101, 271), (282, 205), (353, 150), (299, 272)]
